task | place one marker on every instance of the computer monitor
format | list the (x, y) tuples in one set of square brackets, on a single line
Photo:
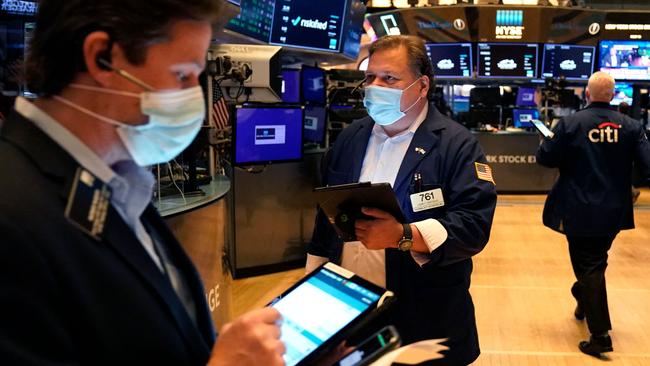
[(625, 60), (486, 96), (267, 134), (526, 97), (315, 123), (507, 60), (313, 84), (623, 93), (450, 60), (484, 116), (522, 118), (572, 62), (254, 19), (291, 86)]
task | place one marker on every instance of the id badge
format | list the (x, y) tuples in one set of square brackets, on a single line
[(427, 200), (88, 203)]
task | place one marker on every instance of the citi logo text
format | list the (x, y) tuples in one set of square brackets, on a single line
[(606, 132)]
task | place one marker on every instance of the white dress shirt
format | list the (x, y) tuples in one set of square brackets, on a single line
[(384, 156)]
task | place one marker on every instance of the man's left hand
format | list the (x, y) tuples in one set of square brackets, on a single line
[(382, 232)]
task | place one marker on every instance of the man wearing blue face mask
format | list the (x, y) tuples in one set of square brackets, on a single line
[(445, 189), (90, 273)]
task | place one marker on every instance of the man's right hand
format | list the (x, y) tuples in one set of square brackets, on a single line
[(252, 339)]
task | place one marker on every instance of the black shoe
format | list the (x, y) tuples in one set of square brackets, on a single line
[(579, 313), (596, 345)]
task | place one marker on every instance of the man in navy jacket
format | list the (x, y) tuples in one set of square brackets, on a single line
[(406, 142), (591, 201)]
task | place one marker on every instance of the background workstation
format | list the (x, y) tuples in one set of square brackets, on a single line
[(284, 78)]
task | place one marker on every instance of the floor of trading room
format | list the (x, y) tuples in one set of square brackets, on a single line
[(521, 292)]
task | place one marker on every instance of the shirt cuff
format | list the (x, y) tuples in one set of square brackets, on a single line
[(313, 261), (434, 234)]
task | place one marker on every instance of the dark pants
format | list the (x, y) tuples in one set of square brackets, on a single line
[(589, 261)]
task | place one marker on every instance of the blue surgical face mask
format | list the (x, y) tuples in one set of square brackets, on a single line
[(175, 118), (383, 104)]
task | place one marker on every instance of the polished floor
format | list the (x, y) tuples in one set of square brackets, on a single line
[(521, 287)]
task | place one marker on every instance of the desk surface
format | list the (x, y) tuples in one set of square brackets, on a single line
[(170, 206)]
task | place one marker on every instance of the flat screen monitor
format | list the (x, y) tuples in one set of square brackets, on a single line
[(309, 24), (523, 118), (313, 84), (485, 96), (507, 60), (267, 134), (291, 86), (626, 60), (254, 19), (622, 93), (315, 123), (526, 97), (572, 62), (450, 60)]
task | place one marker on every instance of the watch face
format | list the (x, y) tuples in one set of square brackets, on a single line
[(405, 244)]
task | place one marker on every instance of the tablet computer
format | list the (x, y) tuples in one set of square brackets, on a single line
[(541, 127), (342, 204), (323, 309)]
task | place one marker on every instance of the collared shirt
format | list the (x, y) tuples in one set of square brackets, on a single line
[(131, 185), (384, 156)]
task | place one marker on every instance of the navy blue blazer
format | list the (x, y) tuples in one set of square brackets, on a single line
[(594, 150), (68, 299), (433, 301)]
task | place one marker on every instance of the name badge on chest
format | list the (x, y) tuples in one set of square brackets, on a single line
[(427, 200), (88, 202)]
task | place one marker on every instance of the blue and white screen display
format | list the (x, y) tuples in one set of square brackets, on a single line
[(623, 93), (268, 134), (309, 24), (572, 62), (291, 86), (450, 60), (526, 97), (315, 121), (626, 60), (313, 84), (507, 60), (317, 309), (524, 117)]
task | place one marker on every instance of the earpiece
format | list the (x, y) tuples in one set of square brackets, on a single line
[(103, 60)]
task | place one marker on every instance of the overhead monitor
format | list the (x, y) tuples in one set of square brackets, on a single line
[(507, 60), (313, 84), (523, 118), (254, 19), (291, 85), (315, 124), (266, 134), (450, 60), (623, 93), (626, 60), (572, 62), (526, 97)]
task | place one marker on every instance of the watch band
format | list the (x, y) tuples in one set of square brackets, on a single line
[(408, 233)]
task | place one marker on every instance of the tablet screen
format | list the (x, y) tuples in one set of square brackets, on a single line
[(318, 308), (541, 127)]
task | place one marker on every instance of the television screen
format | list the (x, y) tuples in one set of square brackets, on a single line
[(291, 86), (626, 60), (309, 24), (622, 93), (485, 96), (522, 118), (507, 60), (264, 134), (254, 19), (526, 97), (315, 123), (313, 84), (572, 62), (450, 60)]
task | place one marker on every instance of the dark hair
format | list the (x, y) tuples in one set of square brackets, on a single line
[(624, 108), (417, 55), (56, 49)]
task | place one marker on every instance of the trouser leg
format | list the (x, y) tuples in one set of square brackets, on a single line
[(589, 261)]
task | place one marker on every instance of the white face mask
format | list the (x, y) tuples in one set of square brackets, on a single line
[(175, 118)]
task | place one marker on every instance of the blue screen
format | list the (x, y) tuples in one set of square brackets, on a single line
[(522, 117), (526, 97), (626, 60), (309, 24), (291, 86), (507, 60), (313, 84), (572, 62), (315, 122), (623, 93), (450, 60), (268, 134)]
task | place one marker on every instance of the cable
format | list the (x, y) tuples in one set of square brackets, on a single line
[(171, 175)]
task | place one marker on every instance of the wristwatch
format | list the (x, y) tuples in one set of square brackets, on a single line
[(406, 242)]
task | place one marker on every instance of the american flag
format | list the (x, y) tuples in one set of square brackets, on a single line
[(219, 111), (484, 172)]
